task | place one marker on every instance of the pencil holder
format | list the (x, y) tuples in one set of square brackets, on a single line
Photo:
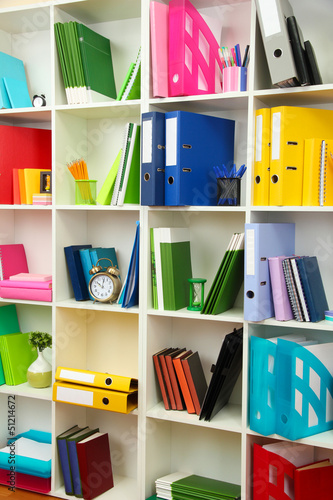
[(234, 79), (228, 191), (85, 192)]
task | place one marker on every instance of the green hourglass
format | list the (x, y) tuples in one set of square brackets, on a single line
[(196, 294)]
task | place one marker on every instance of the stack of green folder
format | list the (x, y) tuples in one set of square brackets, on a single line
[(86, 63), (8, 324), (16, 355), (203, 488), (228, 279)]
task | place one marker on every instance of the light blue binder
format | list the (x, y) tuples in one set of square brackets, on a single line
[(263, 240), (10, 67), (194, 144), (152, 158)]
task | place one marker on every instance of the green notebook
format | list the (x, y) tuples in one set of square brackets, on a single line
[(132, 193), (176, 269), (18, 356), (200, 487), (131, 86), (8, 324), (95, 51)]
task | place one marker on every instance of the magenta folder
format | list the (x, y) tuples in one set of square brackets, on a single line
[(282, 307), (159, 40)]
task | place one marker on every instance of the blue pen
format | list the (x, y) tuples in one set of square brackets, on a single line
[(233, 171), (239, 172)]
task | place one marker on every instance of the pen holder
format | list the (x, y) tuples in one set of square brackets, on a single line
[(228, 191), (85, 192), (234, 79)]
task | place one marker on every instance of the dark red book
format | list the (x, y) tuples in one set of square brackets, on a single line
[(160, 378), (196, 379), (180, 403), (95, 466)]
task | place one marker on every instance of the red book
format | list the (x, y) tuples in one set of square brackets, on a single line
[(160, 378), (177, 361), (166, 377), (196, 379), (314, 481), (95, 466), (21, 147), (180, 403), (13, 260)]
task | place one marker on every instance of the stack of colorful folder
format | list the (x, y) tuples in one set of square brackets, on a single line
[(95, 390)]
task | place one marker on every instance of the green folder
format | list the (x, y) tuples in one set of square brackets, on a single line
[(19, 355), (153, 269), (200, 487), (176, 269), (125, 82), (96, 56), (105, 194), (8, 324)]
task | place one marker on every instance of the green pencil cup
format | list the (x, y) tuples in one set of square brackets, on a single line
[(85, 192)]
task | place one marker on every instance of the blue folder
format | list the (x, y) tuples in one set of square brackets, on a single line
[(152, 158), (194, 144), (130, 295), (11, 68), (313, 288), (263, 240)]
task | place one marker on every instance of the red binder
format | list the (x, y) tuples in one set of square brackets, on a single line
[(21, 147)]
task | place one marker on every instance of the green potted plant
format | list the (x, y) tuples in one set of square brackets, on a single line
[(39, 373)]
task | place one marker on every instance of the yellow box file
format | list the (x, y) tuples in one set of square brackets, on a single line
[(290, 126), (262, 157), (318, 172), (96, 379), (103, 399)]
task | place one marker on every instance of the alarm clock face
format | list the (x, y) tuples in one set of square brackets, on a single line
[(102, 287)]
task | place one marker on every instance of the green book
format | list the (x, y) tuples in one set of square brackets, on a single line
[(105, 195), (200, 487), (19, 355), (176, 268), (8, 324), (153, 269), (96, 56), (132, 191)]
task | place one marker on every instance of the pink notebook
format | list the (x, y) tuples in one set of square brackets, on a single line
[(12, 260), (194, 62), (31, 277), (282, 307), (159, 40), (26, 294)]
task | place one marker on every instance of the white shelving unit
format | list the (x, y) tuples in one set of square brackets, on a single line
[(149, 442)]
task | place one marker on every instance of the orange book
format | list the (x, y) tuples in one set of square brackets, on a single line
[(16, 187), (177, 361)]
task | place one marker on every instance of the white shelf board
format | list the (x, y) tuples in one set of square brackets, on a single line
[(89, 305), (26, 390), (232, 316), (124, 489)]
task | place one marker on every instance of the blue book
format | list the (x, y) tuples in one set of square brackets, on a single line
[(72, 254), (17, 92), (10, 68), (130, 293), (64, 457), (73, 459), (313, 287), (152, 158), (86, 263), (263, 240), (194, 144)]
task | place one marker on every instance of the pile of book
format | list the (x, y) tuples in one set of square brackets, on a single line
[(27, 186), (185, 486), (86, 63), (122, 184), (27, 286), (182, 380), (292, 471), (84, 454), (25, 462)]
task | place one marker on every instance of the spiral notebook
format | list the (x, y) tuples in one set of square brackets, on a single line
[(318, 172), (130, 88), (13, 260)]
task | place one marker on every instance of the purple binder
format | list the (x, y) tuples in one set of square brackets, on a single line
[(282, 307)]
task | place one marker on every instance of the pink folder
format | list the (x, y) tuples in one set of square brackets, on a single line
[(194, 62), (12, 260), (282, 307), (159, 40)]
